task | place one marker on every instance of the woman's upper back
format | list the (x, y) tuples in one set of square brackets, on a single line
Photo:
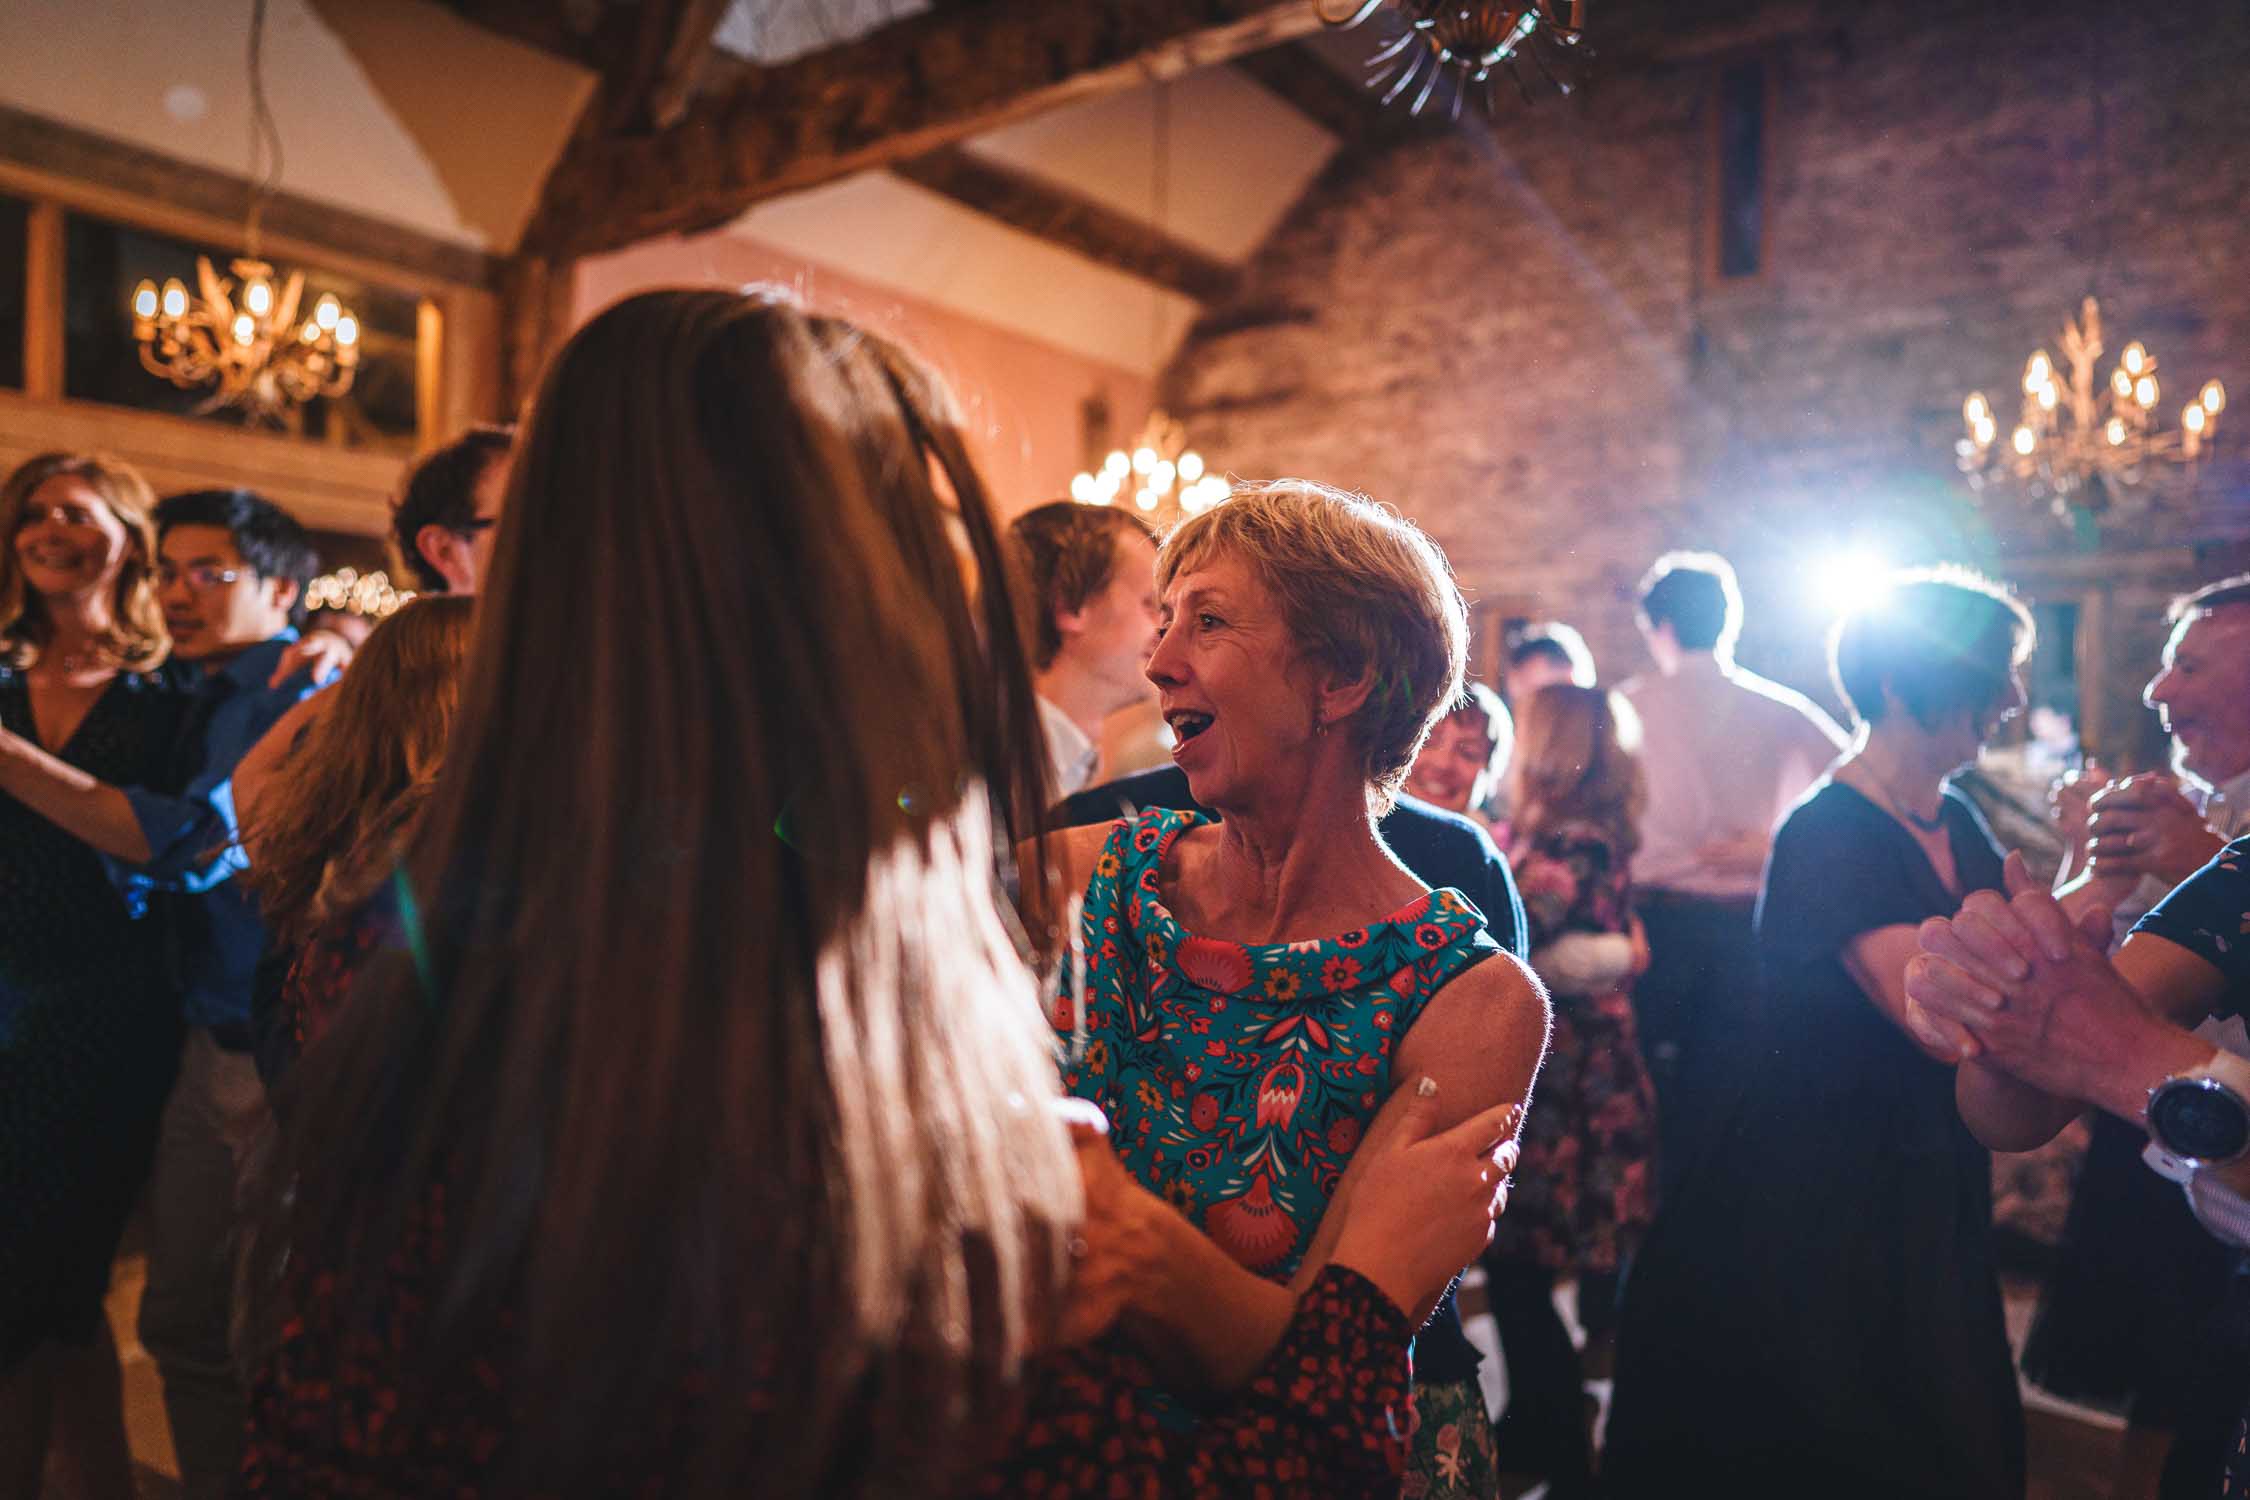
[(1239, 1077)]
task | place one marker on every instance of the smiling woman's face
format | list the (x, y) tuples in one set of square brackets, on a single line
[(1231, 681), (68, 540)]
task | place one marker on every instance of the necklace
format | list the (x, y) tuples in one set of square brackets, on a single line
[(93, 658), (1898, 804)]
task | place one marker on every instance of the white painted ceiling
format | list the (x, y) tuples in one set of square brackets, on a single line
[(401, 110), (394, 108)]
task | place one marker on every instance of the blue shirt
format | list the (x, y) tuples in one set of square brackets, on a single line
[(2209, 915), (195, 843)]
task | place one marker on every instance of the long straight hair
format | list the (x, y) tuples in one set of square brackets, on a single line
[(1577, 758), (717, 1050), (325, 831)]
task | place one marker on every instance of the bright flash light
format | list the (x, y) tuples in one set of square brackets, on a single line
[(2025, 440), (1849, 580), (1082, 489)]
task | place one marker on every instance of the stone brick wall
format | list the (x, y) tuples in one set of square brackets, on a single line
[(1509, 330)]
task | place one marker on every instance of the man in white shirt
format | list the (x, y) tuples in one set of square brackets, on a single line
[(1725, 753), (1091, 570)]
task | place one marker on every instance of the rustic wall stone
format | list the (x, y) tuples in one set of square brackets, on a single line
[(1509, 331)]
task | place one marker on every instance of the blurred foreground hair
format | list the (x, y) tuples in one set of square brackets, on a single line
[(715, 1048), (328, 829)]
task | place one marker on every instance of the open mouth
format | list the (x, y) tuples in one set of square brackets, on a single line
[(1187, 724)]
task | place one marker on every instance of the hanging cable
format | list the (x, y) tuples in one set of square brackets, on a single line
[(265, 132)]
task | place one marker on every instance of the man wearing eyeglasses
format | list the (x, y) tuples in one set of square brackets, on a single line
[(231, 571), (441, 524)]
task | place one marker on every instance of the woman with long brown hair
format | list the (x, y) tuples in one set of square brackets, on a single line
[(694, 1139), (1576, 790), (89, 1025), (324, 827)]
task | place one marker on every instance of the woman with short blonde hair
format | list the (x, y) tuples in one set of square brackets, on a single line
[(1256, 984)]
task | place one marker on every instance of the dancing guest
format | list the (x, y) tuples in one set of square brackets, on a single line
[(324, 830), (1253, 985), (1726, 754), (1443, 849), (442, 521), (2024, 988), (1586, 1187), (529, 1231), (1815, 1310), (1542, 653), (1466, 754), (2131, 1312), (231, 573), (1088, 573), (89, 1021)]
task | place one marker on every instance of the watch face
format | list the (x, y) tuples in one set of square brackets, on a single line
[(2200, 1119)]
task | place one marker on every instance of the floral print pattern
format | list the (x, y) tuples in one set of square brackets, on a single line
[(1238, 1078), (1584, 1192)]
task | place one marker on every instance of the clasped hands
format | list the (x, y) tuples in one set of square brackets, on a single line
[(2011, 982), (2143, 825)]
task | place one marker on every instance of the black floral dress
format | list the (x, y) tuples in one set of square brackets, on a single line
[(89, 1030), (1585, 1188)]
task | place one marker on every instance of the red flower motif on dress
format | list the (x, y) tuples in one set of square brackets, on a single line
[(1339, 974), (1343, 1135), (1215, 965), (1251, 1227), (1278, 1095), (1204, 1113)]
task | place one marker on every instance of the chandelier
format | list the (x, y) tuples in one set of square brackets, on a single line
[(254, 349), (1471, 39), (2080, 446), (1164, 473), (242, 334)]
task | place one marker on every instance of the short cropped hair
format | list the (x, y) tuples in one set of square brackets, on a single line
[(441, 490), (1558, 643), (1067, 553), (1361, 589), (1941, 640), (1696, 594), (2221, 595)]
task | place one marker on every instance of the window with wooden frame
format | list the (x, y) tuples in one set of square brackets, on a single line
[(1738, 220), (15, 247), (103, 261)]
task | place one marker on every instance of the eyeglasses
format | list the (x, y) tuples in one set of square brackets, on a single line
[(476, 524), (203, 577)]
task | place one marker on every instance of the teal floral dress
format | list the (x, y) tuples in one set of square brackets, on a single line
[(1238, 1078)]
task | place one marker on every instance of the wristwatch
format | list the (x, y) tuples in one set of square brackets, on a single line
[(2199, 1117)]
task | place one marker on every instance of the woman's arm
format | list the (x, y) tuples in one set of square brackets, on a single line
[(254, 773), (1877, 962)]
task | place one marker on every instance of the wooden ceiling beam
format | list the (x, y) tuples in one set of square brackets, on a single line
[(897, 93), (1072, 221)]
